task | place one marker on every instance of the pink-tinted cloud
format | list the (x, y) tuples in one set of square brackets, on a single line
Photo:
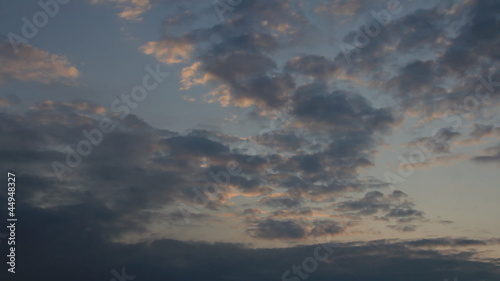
[(31, 64)]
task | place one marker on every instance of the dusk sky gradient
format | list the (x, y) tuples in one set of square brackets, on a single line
[(202, 140)]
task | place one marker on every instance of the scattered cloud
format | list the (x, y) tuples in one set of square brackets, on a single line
[(131, 10), (31, 64)]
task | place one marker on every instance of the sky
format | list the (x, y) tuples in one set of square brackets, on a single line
[(248, 139)]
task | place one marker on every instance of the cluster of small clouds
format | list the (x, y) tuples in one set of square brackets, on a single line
[(331, 134), (152, 169), (341, 129)]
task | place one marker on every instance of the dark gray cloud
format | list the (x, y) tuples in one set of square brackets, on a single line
[(311, 65), (281, 141), (339, 110), (493, 155), (236, 51), (195, 146), (475, 40), (325, 228), (404, 228), (452, 41), (282, 202), (70, 240), (440, 140), (370, 204), (394, 207), (405, 214), (481, 131), (446, 242), (277, 229), (249, 77), (414, 80), (137, 170), (398, 194)]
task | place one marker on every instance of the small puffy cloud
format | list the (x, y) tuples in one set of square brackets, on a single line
[(31, 64), (190, 76), (169, 50), (131, 10)]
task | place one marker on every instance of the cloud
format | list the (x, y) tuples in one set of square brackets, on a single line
[(372, 203), (131, 10), (312, 65), (282, 202), (405, 215), (375, 203), (492, 157), (479, 132), (449, 40), (169, 50), (281, 140), (249, 80), (140, 171), (389, 260), (404, 228), (474, 43), (274, 229), (340, 111), (326, 228), (307, 176), (398, 194), (31, 64), (439, 142), (236, 53)]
